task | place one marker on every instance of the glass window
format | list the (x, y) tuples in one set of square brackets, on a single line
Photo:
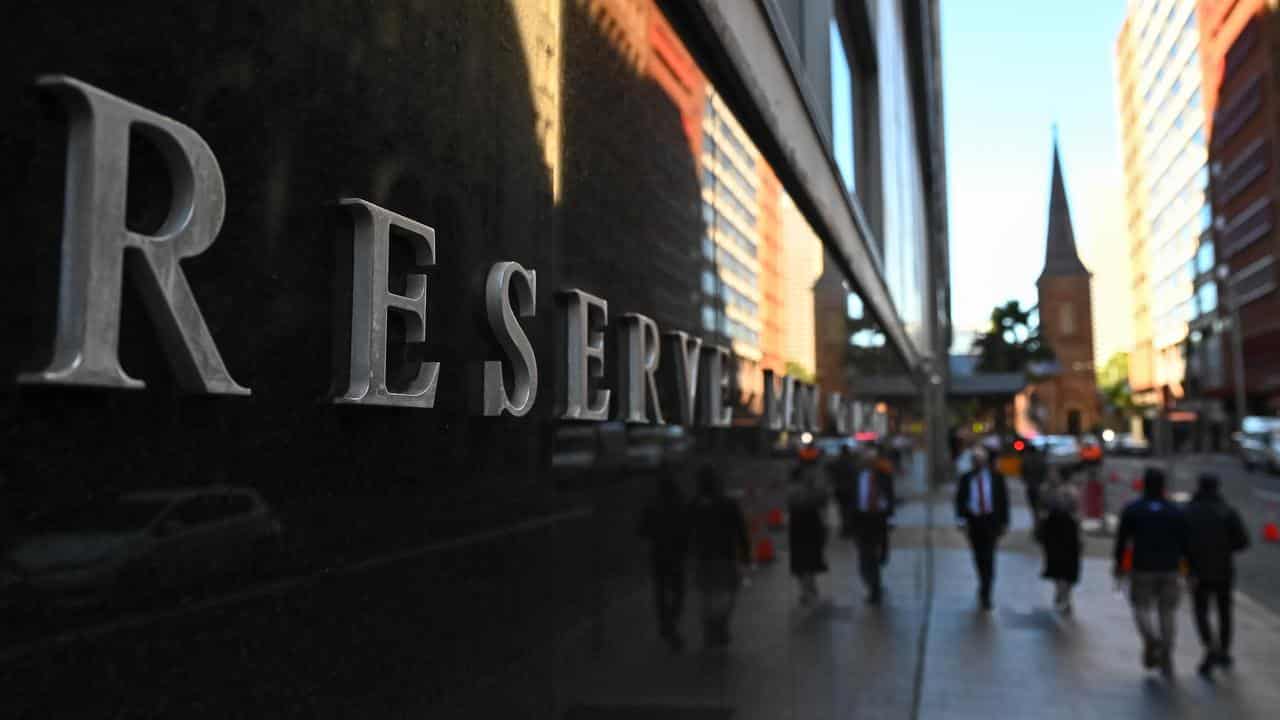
[(853, 307), (708, 317), (842, 108), (708, 282), (1207, 298)]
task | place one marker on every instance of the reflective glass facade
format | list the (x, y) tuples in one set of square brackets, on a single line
[(486, 271)]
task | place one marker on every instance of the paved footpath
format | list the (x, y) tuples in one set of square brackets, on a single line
[(928, 652)]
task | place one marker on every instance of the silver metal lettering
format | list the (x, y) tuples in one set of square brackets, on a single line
[(684, 350), (585, 318), (371, 301), (640, 352), (504, 278), (95, 243), (715, 380), (837, 418), (806, 406), (777, 405)]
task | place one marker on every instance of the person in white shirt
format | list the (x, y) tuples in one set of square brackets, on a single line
[(982, 504)]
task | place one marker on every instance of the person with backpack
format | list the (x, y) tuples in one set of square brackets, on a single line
[(1217, 532)]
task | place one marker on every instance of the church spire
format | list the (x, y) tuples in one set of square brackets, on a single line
[(1060, 256)]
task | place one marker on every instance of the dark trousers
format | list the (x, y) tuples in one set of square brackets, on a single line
[(668, 591), (873, 550), (982, 540), (1220, 593)]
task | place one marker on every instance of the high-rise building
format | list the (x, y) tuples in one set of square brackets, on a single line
[(1239, 41), (1163, 139)]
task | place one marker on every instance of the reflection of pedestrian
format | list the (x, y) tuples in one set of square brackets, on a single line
[(1059, 534), (1216, 533), (720, 545), (806, 499), (1158, 531), (665, 523), (843, 475), (872, 506), (982, 503)]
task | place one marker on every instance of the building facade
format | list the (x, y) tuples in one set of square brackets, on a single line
[(346, 341), (1239, 42), (1166, 174)]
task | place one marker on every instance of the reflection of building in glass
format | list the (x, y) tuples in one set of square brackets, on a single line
[(801, 264), (1163, 138)]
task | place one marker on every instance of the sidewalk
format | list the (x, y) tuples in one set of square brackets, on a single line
[(844, 659)]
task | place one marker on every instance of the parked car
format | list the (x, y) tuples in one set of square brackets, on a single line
[(1254, 441), (830, 446), (140, 542), (1061, 450), (1128, 444)]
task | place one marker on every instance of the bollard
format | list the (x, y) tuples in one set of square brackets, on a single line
[(1093, 499)]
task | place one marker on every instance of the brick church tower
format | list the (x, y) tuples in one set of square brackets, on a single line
[(1068, 401)]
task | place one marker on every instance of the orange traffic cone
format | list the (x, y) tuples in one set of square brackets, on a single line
[(775, 520), (1270, 532), (764, 550), (1137, 484)]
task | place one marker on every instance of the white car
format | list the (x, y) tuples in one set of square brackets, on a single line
[(141, 542), (1058, 449)]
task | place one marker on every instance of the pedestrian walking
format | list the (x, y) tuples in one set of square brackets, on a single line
[(665, 523), (1158, 533), (842, 473), (1059, 535), (1216, 533), (807, 532), (873, 505), (1035, 471), (982, 505), (720, 546)]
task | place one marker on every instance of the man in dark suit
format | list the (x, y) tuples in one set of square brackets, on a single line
[(982, 503), (872, 504)]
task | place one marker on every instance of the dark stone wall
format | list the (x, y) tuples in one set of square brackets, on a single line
[(424, 553)]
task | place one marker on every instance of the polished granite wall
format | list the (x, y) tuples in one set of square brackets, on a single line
[(422, 552)]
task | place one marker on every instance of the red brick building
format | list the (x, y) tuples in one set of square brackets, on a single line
[(1238, 42), (1068, 401)]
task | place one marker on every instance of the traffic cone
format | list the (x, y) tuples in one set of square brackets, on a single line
[(775, 520), (1270, 532), (1137, 484), (764, 550)]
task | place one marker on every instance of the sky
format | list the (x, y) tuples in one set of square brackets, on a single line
[(1011, 70)]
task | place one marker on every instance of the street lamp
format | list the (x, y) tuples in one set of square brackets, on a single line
[(1223, 272)]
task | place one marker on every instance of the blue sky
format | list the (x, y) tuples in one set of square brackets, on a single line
[(1011, 69)]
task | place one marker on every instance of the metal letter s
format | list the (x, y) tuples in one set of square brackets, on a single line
[(502, 320)]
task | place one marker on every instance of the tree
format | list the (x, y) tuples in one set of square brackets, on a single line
[(1113, 383), (1014, 343)]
